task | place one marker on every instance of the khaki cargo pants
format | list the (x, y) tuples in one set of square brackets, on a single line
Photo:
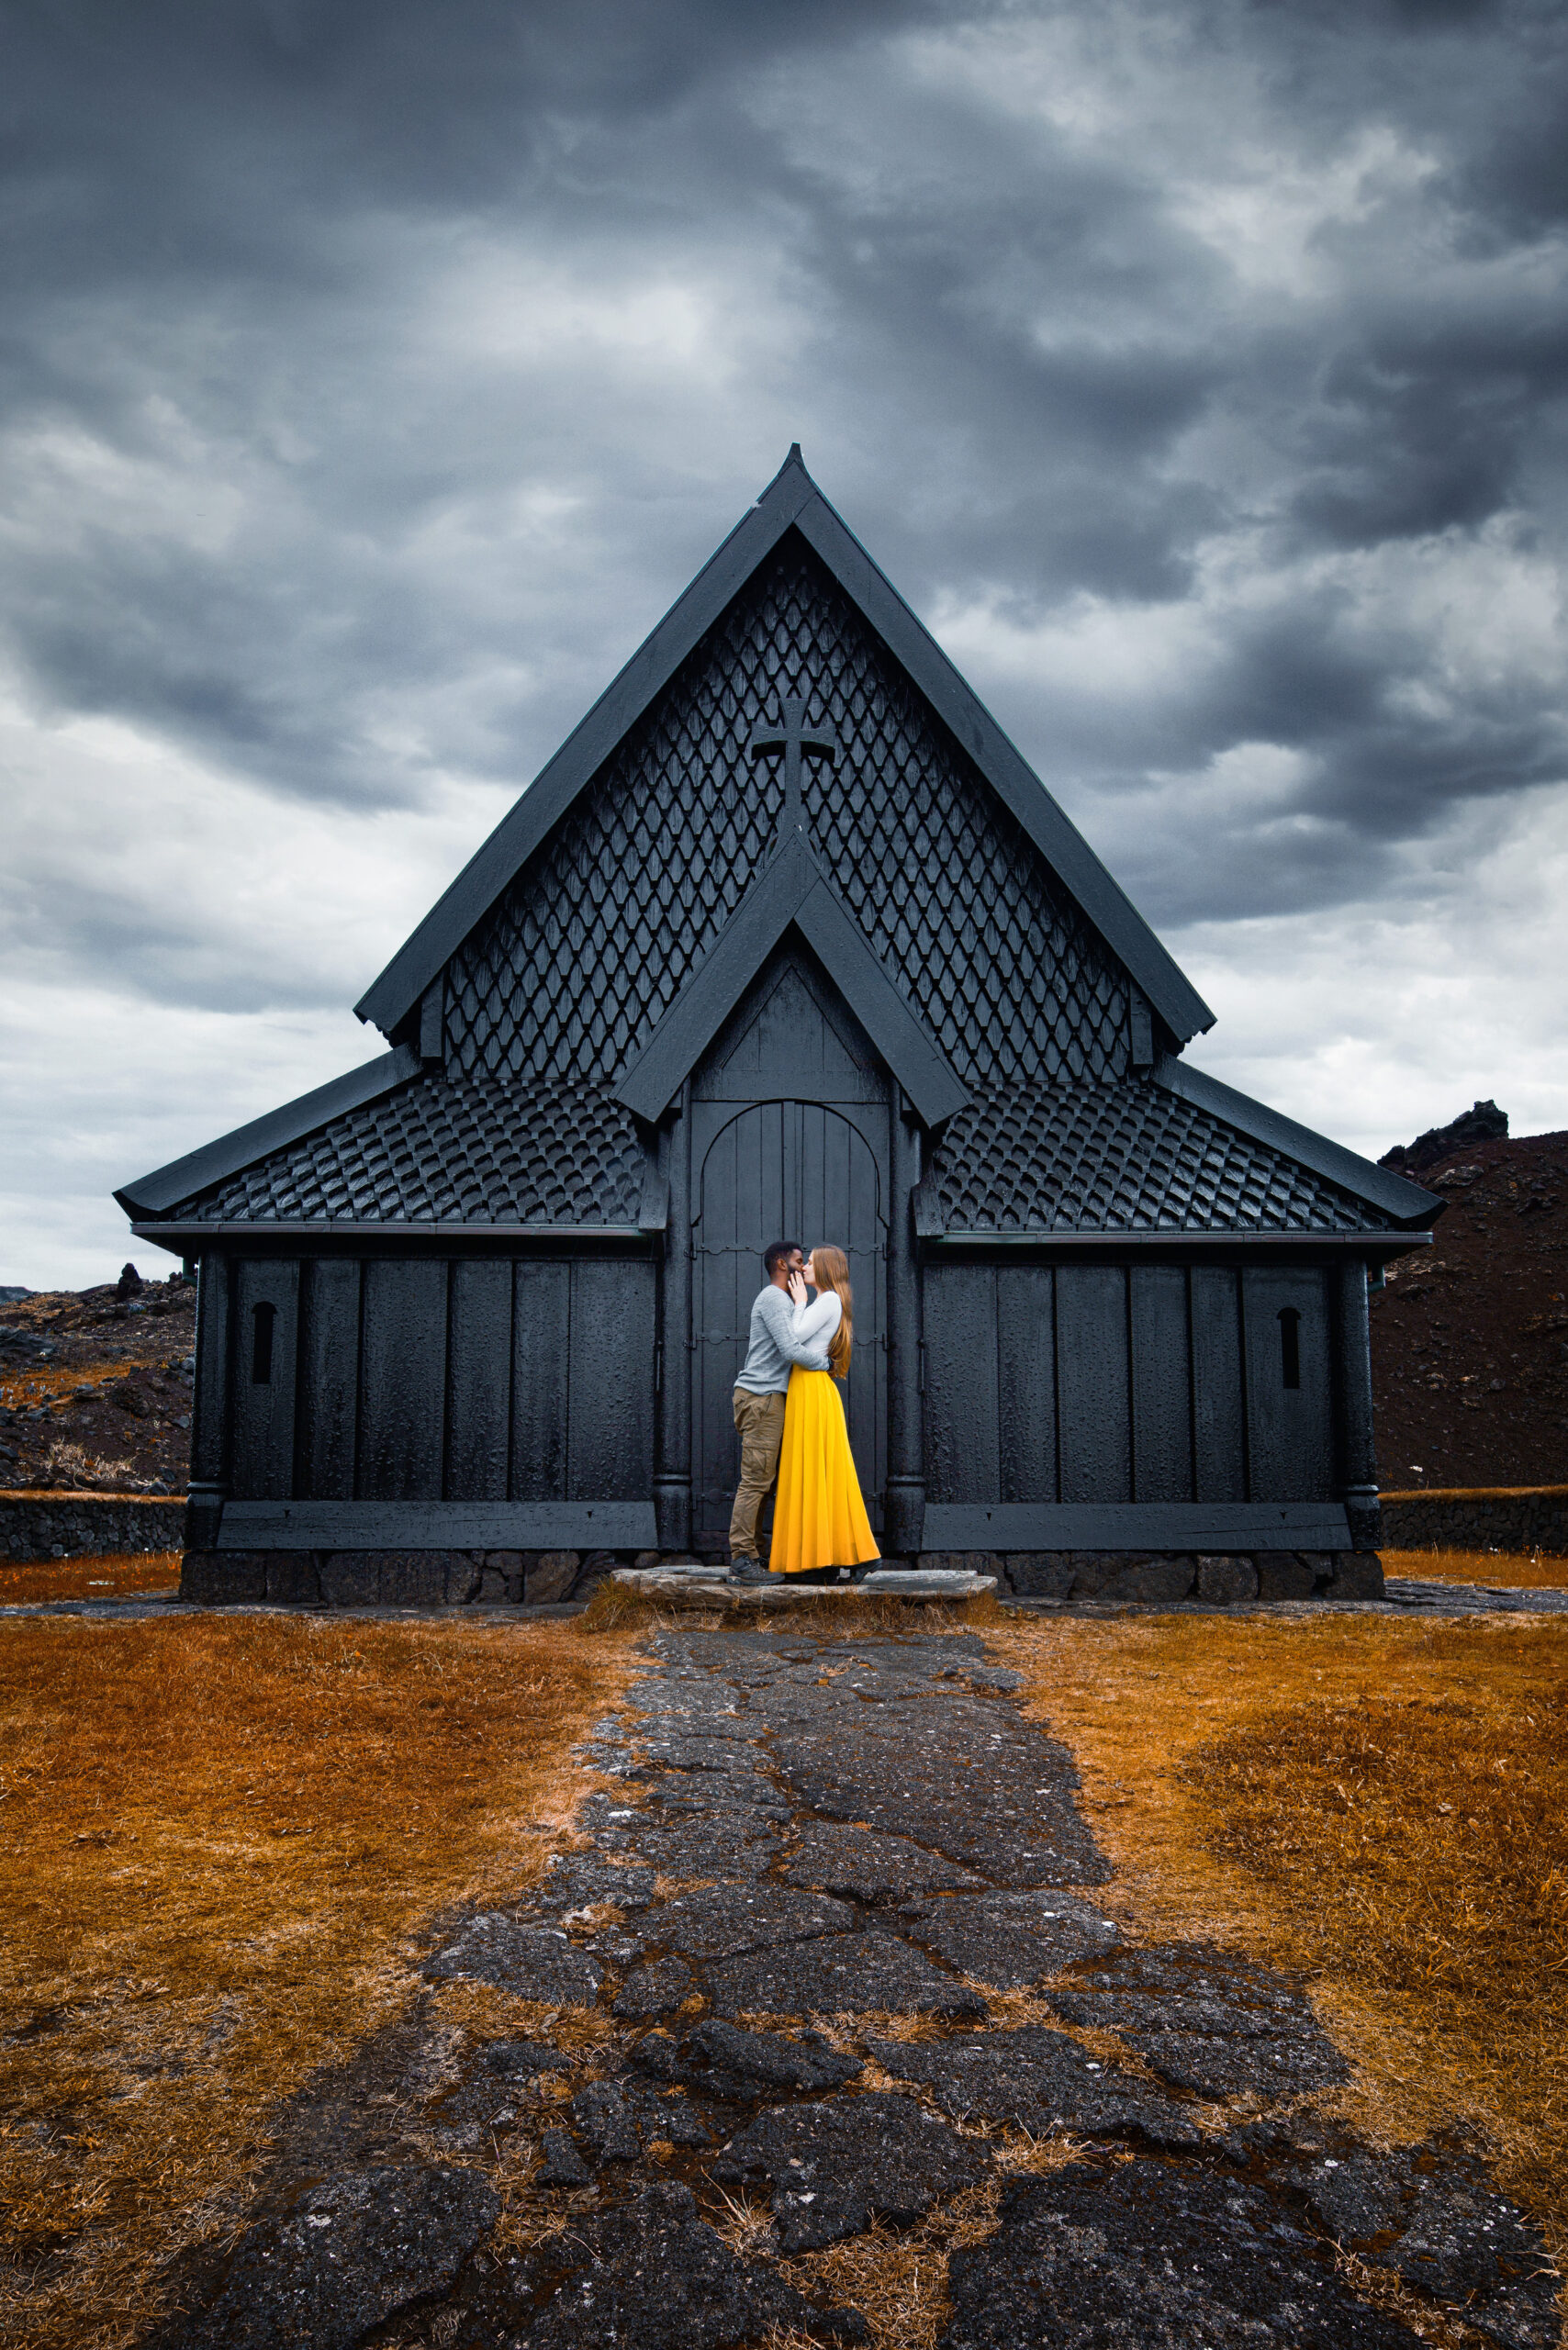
[(761, 1421)]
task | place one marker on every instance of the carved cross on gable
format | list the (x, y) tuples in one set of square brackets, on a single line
[(798, 741)]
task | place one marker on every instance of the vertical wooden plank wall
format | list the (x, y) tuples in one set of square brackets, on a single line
[(479, 1380), (264, 1408), (1026, 1384), (1289, 1430), (328, 1377), (609, 1448), (1094, 1388), (962, 1459), (402, 1392), (1219, 1418), (542, 1329), (1161, 1383)]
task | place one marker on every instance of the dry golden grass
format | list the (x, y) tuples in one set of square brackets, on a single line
[(1382, 1804), (1504, 1570), (102, 1575), (221, 1838)]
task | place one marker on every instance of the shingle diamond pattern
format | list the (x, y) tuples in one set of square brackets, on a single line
[(468, 1150), (1125, 1158), (582, 956)]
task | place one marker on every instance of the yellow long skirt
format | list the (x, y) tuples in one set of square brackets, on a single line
[(819, 1519)]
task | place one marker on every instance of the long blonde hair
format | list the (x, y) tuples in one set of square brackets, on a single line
[(831, 1268)]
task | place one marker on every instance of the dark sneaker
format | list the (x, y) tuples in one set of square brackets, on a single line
[(748, 1569)]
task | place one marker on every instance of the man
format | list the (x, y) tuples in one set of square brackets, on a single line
[(759, 1405)]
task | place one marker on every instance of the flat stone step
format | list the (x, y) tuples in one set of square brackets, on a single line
[(682, 1587)]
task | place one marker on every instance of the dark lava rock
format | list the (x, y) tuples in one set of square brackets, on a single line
[(861, 1865), (1011, 1939), (1153, 2257), (354, 2250), (649, 2275), (705, 1753), (674, 2117), (1432, 2214), (1211, 2024), (518, 2060), (652, 1990), (835, 1975), (562, 2166), (835, 2167), (604, 2116), (731, 1849), (580, 1879), (719, 2060), (723, 1920), (681, 1793), (1040, 2080), (534, 1962), (962, 1776)]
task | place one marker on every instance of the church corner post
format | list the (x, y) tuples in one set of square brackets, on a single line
[(904, 1505), (1353, 1389), (209, 1405), (672, 1476)]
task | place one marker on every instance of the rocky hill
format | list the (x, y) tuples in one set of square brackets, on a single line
[(1470, 1338), (96, 1386)]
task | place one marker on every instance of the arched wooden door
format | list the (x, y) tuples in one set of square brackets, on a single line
[(785, 1170)]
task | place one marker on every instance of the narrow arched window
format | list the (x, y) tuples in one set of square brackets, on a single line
[(262, 1321), (1290, 1347)]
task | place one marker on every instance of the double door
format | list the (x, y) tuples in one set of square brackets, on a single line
[(784, 1170)]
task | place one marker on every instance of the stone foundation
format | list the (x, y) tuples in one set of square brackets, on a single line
[(398, 1578), (511, 1578), (77, 1526), (1154, 1576)]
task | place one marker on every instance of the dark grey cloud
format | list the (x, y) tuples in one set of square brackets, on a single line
[(1208, 310)]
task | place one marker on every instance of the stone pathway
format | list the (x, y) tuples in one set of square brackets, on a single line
[(839, 1933)]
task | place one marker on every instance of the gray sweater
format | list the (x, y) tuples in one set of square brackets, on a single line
[(780, 1336)]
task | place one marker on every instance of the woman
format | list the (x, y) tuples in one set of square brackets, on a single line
[(819, 1519)]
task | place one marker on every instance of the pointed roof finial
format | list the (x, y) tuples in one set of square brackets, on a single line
[(794, 458)]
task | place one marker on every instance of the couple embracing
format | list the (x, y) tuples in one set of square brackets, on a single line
[(790, 1415)]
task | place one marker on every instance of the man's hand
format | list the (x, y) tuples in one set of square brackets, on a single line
[(797, 1288)]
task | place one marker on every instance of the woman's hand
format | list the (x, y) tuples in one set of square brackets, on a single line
[(796, 1289)]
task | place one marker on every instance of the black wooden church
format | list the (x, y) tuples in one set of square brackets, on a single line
[(786, 941)]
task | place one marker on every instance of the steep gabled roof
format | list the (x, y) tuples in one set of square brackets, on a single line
[(792, 892), (791, 501)]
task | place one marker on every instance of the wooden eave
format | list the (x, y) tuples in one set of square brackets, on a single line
[(1393, 1195), (791, 500)]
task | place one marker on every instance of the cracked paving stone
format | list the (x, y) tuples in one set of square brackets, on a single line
[(648, 2276), (652, 1990), (1208, 2024), (963, 1778), (355, 2250), (698, 1847), (839, 1975), (723, 1920), (603, 2115), (1430, 2214), (1010, 1940), (581, 1880), (516, 2060), (562, 2166), (535, 1962), (1153, 2257), (719, 2060), (836, 2166), (1040, 2080), (862, 1866)]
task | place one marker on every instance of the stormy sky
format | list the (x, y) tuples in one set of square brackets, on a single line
[(375, 372)]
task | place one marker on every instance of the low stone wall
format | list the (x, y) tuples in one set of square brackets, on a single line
[(1530, 1518), (398, 1578), (1166, 1575), (75, 1526)]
